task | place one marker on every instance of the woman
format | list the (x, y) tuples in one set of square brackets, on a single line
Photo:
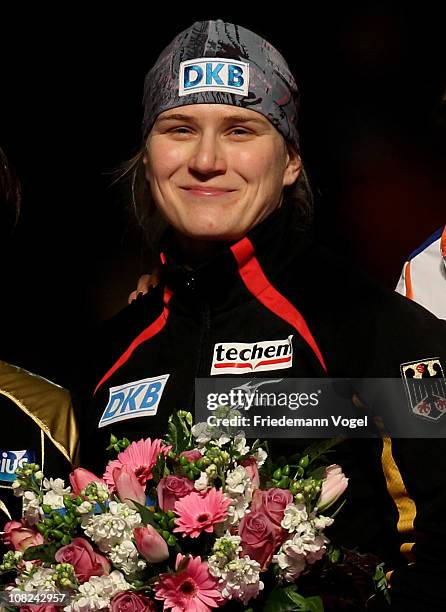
[(240, 277)]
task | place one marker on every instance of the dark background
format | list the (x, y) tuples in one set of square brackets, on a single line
[(373, 138)]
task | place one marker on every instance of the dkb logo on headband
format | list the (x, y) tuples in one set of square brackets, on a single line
[(216, 74)]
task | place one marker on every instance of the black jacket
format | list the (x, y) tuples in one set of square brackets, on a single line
[(270, 285)]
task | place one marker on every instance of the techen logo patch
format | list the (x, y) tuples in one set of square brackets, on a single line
[(214, 74), (133, 400), (425, 387), (11, 460), (239, 358)]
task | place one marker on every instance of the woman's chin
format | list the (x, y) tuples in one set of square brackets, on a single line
[(211, 231)]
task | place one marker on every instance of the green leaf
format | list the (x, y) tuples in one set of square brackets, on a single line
[(159, 468), (336, 512), (172, 434), (255, 446), (380, 580), (333, 554), (44, 552), (146, 514), (187, 417), (179, 431), (307, 604), (318, 449), (288, 599), (318, 473)]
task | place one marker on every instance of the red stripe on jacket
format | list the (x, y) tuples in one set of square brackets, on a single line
[(257, 283), (150, 331)]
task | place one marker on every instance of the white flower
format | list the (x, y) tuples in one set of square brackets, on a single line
[(221, 441), (28, 567), (260, 456), (57, 485), (238, 577), (225, 549), (211, 471), (237, 510), (294, 515), (110, 528), (17, 488), (202, 483), (97, 592), (305, 541), (240, 444), (305, 547), (322, 522), (40, 578), (238, 487), (203, 433), (240, 580), (125, 557), (88, 604), (291, 566), (32, 511), (55, 490), (85, 508), (238, 484), (53, 500)]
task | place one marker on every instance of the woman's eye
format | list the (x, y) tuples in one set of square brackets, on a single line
[(241, 131), (180, 130)]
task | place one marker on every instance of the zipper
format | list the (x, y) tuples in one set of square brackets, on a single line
[(202, 369)]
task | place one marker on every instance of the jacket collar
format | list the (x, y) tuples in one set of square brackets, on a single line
[(217, 281)]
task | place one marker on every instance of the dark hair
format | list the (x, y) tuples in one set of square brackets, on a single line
[(148, 217), (10, 193)]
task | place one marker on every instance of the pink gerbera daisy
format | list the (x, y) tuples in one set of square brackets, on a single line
[(198, 512), (190, 590), (140, 456)]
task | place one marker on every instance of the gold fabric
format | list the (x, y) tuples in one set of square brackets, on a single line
[(46, 403), (404, 503)]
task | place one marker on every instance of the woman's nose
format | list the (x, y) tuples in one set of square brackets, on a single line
[(207, 157)]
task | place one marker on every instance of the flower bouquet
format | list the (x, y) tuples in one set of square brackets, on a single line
[(196, 521)]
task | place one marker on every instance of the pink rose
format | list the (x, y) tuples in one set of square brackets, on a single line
[(172, 488), (150, 544), (333, 486), (18, 537), (85, 560), (192, 455), (259, 538), (252, 470), (273, 503), (81, 478), (131, 602)]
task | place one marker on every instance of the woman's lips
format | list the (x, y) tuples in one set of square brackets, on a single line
[(208, 192)]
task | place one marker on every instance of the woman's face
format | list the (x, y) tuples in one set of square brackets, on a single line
[(216, 170)]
